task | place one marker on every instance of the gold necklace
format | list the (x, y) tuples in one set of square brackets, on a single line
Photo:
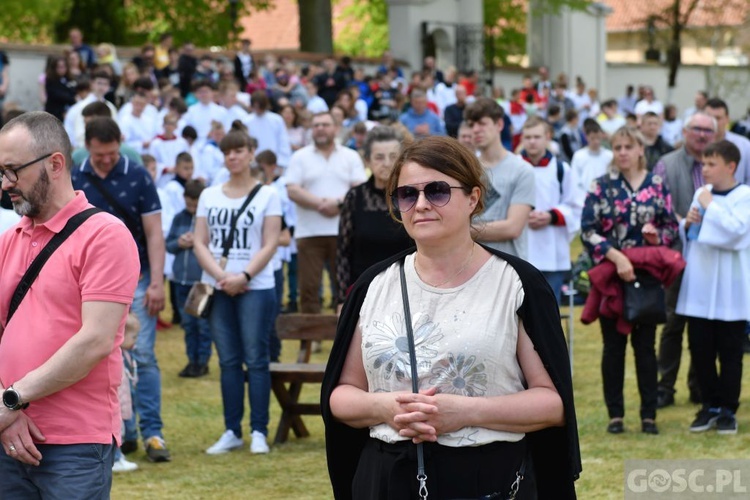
[(466, 264)]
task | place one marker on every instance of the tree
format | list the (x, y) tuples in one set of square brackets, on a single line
[(679, 15), (31, 20), (370, 14)]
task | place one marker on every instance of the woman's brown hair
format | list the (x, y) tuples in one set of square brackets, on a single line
[(447, 156)]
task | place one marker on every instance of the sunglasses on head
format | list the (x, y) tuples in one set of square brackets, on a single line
[(438, 193)]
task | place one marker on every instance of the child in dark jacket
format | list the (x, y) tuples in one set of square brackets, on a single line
[(185, 272)]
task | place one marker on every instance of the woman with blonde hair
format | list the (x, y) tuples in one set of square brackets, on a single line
[(627, 208)]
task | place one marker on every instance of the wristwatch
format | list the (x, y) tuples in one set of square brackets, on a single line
[(12, 400), (247, 276)]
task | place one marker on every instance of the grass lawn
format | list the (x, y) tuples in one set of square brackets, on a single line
[(193, 421)]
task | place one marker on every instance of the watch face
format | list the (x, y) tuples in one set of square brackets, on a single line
[(10, 398)]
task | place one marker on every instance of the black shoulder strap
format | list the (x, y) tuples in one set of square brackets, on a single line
[(33, 271), (126, 217), (227, 245)]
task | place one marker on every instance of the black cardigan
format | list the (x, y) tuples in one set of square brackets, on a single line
[(555, 450)]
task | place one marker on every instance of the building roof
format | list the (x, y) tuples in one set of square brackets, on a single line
[(632, 15), (278, 27)]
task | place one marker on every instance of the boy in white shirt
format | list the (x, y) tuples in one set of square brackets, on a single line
[(591, 161), (137, 129), (165, 148), (715, 290), (201, 114)]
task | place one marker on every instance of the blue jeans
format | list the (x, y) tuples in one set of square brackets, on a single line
[(197, 330), (148, 388), (555, 280), (291, 275), (66, 472), (241, 327)]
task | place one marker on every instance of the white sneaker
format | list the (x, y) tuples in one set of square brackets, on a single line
[(258, 444), (226, 443), (123, 465)]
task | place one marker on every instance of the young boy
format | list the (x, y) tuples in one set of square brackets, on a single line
[(175, 189), (165, 148), (715, 291), (591, 161), (187, 271)]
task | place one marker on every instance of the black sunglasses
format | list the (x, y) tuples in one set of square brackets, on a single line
[(438, 193)]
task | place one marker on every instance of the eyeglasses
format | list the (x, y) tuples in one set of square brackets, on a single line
[(12, 173), (438, 193), (702, 130)]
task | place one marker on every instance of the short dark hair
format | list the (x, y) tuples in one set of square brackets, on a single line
[(483, 106), (591, 126), (101, 74), (725, 150), (260, 98), (650, 114), (716, 103), (189, 132), (96, 108), (143, 83), (103, 129), (237, 138), (266, 157), (184, 156), (571, 114), (202, 82), (609, 103), (193, 189)]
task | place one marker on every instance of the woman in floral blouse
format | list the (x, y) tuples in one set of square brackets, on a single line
[(626, 208)]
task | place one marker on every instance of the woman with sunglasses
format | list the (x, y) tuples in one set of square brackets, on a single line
[(495, 396), (367, 233)]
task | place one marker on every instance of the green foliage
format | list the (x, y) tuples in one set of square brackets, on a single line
[(31, 20), (365, 31), (124, 22)]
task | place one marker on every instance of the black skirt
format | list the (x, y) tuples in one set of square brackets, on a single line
[(388, 471)]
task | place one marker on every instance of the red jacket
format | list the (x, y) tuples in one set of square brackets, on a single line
[(605, 298)]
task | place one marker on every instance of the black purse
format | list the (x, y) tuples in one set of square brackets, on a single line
[(644, 300)]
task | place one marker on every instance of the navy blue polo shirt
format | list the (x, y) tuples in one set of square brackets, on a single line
[(132, 187)]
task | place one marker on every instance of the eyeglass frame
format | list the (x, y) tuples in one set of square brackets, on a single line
[(394, 195), (15, 170), (701, 130)]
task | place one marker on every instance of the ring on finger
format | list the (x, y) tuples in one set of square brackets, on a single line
[(12, 448)]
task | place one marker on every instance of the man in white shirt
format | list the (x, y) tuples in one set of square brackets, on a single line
[(268, 128), (137, 129), (591, 161), (74, 124), (557, 209), (228, 98), (201, 114), (315, 103), (610, 120), (649, 103), (318, 178), (701, 97)]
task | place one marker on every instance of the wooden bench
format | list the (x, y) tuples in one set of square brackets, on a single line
[(287, 378)]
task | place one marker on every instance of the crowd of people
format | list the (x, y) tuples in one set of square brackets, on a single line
[(258, 175)]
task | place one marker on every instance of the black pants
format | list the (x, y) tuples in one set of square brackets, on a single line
[(643, 339), (710, 339), (670, 346), (388, 471)]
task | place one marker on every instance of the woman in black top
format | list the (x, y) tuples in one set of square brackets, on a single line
[(367, 233), (60, 89)]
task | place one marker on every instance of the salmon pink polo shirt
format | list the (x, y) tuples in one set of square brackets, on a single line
[(98, 262)]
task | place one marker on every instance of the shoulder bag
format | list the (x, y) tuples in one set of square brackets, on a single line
[(201, 295), (644, 300)]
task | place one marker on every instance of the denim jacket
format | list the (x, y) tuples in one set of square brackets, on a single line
[(186, 270)]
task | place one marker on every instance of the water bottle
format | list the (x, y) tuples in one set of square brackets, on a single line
[(695, 229)]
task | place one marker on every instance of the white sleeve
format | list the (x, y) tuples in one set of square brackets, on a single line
[(727, 226)]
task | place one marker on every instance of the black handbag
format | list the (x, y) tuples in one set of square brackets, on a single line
[(644, 300)]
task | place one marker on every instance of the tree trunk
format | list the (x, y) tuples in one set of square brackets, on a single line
[(315, 26)]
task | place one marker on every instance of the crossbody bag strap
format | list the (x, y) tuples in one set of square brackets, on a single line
[(227, 243), (421, 475), (128, 218), (36, 266)]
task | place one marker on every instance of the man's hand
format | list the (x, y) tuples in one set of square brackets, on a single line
[(154, 299), (7, 417), (539, 219), (17, 440), (328, 207)]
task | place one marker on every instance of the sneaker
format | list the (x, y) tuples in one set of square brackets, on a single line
[(156, 450), (259, 444), (129, 446), (226, 443), (123, 465), (705, 420), (726, 423)]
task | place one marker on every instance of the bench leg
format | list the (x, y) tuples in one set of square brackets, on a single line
[(288, 397)]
